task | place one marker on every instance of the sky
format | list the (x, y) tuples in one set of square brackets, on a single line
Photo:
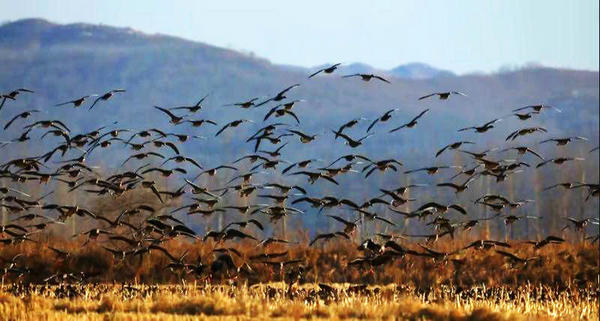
[(461, 36)]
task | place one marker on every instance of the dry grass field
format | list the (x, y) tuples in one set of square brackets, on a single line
[(562, 285), (277, 300)]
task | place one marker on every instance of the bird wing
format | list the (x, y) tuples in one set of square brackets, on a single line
[(11, 121), (166, 111), (420, 115), (316, 72), (271, 112), (287, 89), (439, 152), (382, 79), (289, 112), (372, 124), (427, 96), (330, 179), (222, 129), (95, 101)]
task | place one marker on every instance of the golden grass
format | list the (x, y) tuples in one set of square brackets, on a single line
[(275, 300)]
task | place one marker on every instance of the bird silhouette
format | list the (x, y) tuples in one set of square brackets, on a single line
[(367, 77), (326, 70), (443, 95), (106, 96)]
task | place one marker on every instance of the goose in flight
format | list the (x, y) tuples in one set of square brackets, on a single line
[(280, 95), (367, 77), (233, 124), (280, 112), (455, 145), (483, 128), (244, 104), (559, 161), (327, 70), (537, 108), (328, 236), (443, 95), (411, 123), (350, 141), (562, 141), (106, 96), (525, 131), (192, 109), (348, 124), (23, 115), (385, 117), (76, 102), (13, 95), (521, 150), (174, 119)]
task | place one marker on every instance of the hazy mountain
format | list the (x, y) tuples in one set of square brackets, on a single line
[(419, 71), (63, 62)]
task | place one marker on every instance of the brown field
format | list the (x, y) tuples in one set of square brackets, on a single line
[(563, 285), (277, 300)]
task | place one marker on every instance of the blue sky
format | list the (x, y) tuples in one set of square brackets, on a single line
[(462, 36)]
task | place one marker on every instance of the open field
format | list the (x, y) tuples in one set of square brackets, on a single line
[(564, 285), (276, 300)]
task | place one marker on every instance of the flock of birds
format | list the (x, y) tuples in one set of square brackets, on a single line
[(137, 230)]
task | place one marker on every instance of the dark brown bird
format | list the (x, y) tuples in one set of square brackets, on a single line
[(385, 117), (174, 118), (486, 245), (455, 145), (280, 95), (233, 124), (22, 115), (328, 236), (314, 176), (524, 149), (525, 131), (525, 116), (381, 165), (326, 70), (516, 259), (483, 128), (367, 77), (106, 96), (279, 111), (13, 95), (537, 108), (194, 108), (304, 138), (142, 156), (431, 170), (443, 208), (548, 240), (443, 95), (562, 141), (348, 125), (411, 123), (76, 102), (458, 188), (349, 226), (350, 141), (559, 161)]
